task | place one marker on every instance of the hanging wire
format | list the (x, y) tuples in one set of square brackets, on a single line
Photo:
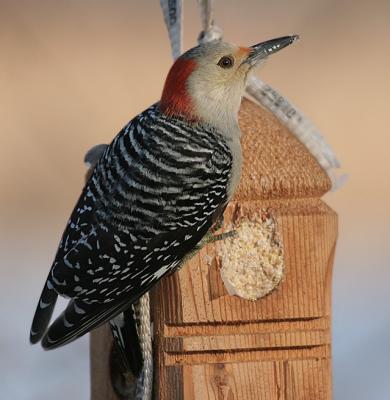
[(173, 17)]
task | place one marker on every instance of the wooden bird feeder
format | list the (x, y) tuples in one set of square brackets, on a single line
[(209, 344)]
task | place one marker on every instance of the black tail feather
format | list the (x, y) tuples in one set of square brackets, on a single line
[(78, 319), (124, 331), (43, 312)]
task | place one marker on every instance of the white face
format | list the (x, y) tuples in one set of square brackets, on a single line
[(218, 82)]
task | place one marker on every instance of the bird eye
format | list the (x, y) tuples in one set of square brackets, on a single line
[(226, 62)]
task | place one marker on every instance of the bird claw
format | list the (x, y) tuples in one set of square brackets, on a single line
[(209, 238), (218, 224), (222, 236)]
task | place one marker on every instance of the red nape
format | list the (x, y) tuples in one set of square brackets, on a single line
[(175, 99)]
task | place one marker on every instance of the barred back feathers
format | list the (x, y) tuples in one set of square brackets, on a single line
[(137, 217)]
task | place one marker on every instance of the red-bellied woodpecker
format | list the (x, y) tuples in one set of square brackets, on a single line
[(154, 193)]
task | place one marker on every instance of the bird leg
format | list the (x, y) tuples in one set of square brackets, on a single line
[(210, 237)]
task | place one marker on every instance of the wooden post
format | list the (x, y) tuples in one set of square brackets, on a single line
[(211, 345)]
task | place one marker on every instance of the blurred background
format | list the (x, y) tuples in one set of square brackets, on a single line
[(72, 73)]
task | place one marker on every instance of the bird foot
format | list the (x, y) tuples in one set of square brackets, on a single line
[(208, 238), (221, 236)]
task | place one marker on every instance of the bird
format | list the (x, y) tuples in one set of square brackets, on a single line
[(153, 194)]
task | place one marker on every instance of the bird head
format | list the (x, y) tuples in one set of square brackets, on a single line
[(206, 83)]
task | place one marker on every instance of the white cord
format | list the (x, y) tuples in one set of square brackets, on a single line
[(173, 16), (144, 385)]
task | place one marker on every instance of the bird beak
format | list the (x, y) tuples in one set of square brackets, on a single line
[(262, 50)]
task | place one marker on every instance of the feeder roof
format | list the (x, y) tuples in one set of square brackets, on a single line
[(276, 164)]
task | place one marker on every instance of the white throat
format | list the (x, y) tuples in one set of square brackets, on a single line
[(217, 107)]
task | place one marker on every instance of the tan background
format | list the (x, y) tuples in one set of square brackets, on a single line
[(72, 73)]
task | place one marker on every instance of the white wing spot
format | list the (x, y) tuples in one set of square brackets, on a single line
[(43, 305)]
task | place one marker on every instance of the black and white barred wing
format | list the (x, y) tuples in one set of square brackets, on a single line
[(153, 195)]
